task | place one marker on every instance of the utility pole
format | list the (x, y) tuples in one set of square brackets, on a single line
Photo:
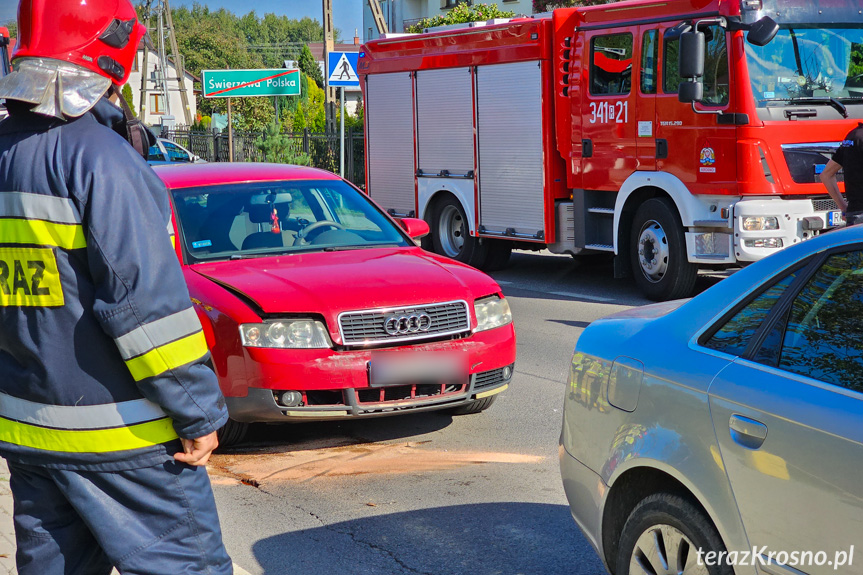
[(179, 65), (142, 104), (329, 46)]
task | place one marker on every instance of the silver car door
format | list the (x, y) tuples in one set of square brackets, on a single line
[(788, 417)]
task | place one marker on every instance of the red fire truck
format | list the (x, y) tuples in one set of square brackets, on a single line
[(677, 135)]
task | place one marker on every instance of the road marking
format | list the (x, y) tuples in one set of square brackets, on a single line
[(582, 296), (240, 571), (503, 283)]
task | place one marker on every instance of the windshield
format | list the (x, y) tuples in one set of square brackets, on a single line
[(804, 62), (257, 219)]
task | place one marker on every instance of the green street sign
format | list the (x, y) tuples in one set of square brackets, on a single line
[(242, 83)]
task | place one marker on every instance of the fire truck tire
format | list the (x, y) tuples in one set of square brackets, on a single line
[(658, 252), (232, 433), (499, 252), (475, 406), (451, 234)]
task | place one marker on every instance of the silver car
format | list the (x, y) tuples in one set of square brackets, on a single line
[(729, 424)]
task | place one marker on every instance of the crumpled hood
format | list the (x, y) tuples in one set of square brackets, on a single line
[(333, 282)]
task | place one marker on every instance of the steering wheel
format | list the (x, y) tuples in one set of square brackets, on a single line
[(303, 233)]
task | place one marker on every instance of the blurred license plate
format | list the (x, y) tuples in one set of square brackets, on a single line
[(835, 219), (401, 368)]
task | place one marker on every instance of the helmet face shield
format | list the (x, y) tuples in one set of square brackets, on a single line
[(100, 35)]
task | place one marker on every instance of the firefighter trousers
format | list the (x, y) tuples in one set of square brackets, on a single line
[(148, 521)]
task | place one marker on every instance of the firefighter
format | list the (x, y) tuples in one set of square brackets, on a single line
[(108, 410), (848, 158)]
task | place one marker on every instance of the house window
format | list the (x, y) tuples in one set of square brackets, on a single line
[(135, 63), (157, 104)]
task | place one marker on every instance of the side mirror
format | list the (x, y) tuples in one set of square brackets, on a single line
[(762, 31), (691, 59), (415, 227), (689, 92)]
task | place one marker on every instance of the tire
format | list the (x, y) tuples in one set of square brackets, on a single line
[(677, 524), (475, 406), (658, 252), (499, 252), (232, 433), (451, 236)]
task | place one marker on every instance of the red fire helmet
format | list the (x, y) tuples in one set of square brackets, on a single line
[(100, 35)]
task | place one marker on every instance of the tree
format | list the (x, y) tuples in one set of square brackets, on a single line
[(127, 95), (310, 67), (460, 14), (12, 25), (280, 148)]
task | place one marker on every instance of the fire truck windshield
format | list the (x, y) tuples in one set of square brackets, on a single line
[(816, 64)]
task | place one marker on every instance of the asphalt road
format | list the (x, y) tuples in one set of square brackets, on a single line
[(430, 493)]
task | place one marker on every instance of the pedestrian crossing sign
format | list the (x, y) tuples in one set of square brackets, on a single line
[(342, 67)]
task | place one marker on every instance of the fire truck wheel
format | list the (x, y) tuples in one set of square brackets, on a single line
[(658, 252), (451, 234), (232, 433)]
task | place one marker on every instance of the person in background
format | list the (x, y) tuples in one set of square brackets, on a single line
[(849, 159), (108, 409)]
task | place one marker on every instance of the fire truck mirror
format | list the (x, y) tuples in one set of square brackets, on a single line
[(762, 31), (692, 47), (690, 92)]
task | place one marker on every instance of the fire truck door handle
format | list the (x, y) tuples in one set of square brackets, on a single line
[(661, 149), (586, 148)]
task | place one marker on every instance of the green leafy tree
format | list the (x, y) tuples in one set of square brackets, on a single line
[(461, 14), (310, 67), (12, 26), (280, 148), (127, 95)]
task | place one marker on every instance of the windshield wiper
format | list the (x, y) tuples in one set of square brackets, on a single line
[(815, 100), (357, 247)]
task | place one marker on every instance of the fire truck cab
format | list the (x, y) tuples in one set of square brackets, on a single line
[(584, 131)]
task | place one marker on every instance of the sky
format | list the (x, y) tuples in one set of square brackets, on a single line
[(347, 14)]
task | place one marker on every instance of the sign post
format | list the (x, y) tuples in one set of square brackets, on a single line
[(342, 68), (246, 83)]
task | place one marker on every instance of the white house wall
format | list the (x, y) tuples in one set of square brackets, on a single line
[(176, 102)]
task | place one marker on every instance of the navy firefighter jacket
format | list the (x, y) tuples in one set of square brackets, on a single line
[(102, 356)]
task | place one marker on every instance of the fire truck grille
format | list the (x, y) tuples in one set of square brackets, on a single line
[(422, 322), (824, 205)]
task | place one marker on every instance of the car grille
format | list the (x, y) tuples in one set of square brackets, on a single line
[(368, 327), (490, 378), (824, 205)]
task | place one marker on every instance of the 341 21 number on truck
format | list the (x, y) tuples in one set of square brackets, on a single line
[(677, 135)]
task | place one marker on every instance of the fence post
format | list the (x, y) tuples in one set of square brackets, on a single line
[(306, 141), (349, 151)]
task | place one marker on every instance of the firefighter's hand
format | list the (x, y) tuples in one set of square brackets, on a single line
[(197, 451)]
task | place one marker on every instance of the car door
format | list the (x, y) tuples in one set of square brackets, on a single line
[(788, 416)]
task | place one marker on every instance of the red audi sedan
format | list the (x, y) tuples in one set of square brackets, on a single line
[(318, 305)]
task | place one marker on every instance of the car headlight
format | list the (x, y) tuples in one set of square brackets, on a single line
[(491, 312), (760, 223), (286, 334)]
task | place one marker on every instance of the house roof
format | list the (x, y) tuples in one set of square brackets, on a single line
[(148, 44), (317, 49)]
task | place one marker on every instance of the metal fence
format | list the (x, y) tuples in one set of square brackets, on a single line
[(322, 148)]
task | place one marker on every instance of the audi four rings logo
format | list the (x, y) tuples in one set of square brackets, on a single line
[(407, 324)]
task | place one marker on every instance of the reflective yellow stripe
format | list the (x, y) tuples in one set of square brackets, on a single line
[(168, 356), (40, 232), (89, 440)]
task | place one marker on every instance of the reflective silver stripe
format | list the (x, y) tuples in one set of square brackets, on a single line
[(102, 416), (157, 333), (38, 207), (170, 228)]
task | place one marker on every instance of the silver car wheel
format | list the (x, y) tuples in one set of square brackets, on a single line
[(665, 550), (451, 231), (653, 251)]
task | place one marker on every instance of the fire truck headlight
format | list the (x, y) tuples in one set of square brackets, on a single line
[(287, 334), (492, 312), (760, 223), (764, 243)]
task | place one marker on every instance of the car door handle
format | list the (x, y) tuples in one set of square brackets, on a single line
[(747, 432)]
